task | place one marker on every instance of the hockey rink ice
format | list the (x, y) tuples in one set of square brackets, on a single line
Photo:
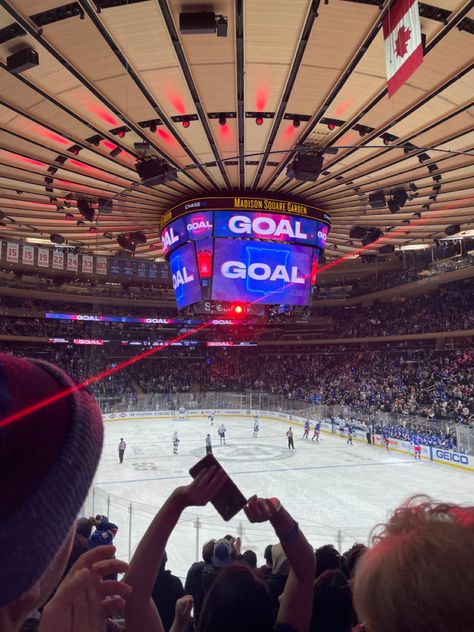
[(336, 492)]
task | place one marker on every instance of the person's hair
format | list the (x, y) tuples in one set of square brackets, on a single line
[(84, 527), (268, 554), (237, 600), (332, 603), (419, 575), (327, 559), (351, 557), (251, 558), (207, 551)]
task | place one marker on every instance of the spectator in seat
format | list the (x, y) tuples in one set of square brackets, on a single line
[(221, 557), (419, 574), (168, 589), (48, 458), (276, 581), (327, 559), (193, 583), (251, 559), (265, 570), (332, 603)]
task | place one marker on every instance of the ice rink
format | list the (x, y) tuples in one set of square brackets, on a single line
[(335, 491)]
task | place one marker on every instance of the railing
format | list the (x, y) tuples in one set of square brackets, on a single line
[(256, 401)]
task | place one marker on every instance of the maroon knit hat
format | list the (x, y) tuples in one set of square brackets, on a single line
[(48, 459)]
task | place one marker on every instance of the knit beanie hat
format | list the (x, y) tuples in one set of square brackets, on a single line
[(48, 459)]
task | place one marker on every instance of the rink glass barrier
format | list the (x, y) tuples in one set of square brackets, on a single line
[(134, 517)]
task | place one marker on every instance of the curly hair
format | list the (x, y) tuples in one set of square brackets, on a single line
[(419, 574)]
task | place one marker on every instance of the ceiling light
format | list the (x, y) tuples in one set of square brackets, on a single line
[(186, 124), (259, 120), (75, 149), (115, 152), (222, 120), (153, 128), (296, 122)]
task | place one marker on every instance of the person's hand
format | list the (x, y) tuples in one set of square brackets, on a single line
[(182, 616), (261, 509), (83, 601), (205, 487), (237, 544)]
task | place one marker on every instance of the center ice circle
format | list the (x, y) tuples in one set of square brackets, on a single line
[(246, 453)]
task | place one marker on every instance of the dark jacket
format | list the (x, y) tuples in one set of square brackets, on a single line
[(193, 587), (166, 592)]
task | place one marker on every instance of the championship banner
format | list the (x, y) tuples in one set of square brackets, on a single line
[(101, 265), (28, 255), (58, 260), (87, 264), (13, 251), (402, 40), (43, 257), (72, 262)]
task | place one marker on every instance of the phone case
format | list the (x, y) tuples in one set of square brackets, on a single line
[(230, 500)]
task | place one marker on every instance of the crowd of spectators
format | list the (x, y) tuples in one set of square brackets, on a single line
[(415, 575)]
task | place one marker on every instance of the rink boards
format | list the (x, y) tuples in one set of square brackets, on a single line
[(429, 453)]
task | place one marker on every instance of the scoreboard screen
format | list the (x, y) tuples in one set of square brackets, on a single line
[(220, 253)]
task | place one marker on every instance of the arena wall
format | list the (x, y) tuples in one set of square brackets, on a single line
[(428, 453)]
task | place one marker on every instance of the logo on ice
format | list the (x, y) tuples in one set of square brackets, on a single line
[(267, 226)]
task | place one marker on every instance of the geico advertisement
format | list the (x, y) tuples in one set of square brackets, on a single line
[(185, 276), (263, 272), (268, 226)]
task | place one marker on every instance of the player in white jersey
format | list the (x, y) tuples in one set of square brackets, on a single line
[(210, 419), (175, 441), (221, 432), (181, 413), (342, 425), (256, 427)]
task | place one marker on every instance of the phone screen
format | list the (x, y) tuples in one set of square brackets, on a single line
[(230, 500)]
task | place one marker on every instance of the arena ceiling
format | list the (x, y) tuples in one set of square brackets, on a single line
[(115, 64)]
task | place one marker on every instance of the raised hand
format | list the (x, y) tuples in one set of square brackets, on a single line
[(261, 509), (182, 617), (205, 487), (83, 601)]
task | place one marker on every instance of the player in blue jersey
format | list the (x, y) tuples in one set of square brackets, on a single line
[(306, 429), (316, 431), (417, 447), (350, 432)]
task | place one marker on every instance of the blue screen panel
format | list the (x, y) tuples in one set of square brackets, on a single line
[(199, 224), (261, 272), (174, 235), (273, 226), (323, 230), (184, 272)]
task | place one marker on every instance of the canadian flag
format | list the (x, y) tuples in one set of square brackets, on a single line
[(402, 39)]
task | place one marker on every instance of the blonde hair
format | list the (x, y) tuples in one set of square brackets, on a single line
[(419, 574)]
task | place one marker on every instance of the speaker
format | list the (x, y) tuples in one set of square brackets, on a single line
[(371, 236), (357, 232), (138, 238), (400, 196), (377, 199), (154, 171), (105, 206), (197, 23), (125, 242), (386, 249), (453, 229), (22, 60), (305, 167), (393, 206), (56, 238)]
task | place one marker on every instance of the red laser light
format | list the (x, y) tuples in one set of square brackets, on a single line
[(186, 124), (331, 125), (259, 120)]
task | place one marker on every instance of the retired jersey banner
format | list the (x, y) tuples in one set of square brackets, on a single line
[(13, 251), (72, 262), (43, 257), (402, 39), (58, 260), (87, 264), (101, 265), (28, 255)]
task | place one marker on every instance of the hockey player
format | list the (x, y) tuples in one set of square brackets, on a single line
[(386, 442), (289, 434), (221, 432), (181, 413), (208, 444), (210, 419), (342, 425), (316, 431), (175, 442), (350, 432), (306, 429), (417, 447), (256, 427)]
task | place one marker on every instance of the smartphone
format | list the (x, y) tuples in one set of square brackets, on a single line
[(230, 500)]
